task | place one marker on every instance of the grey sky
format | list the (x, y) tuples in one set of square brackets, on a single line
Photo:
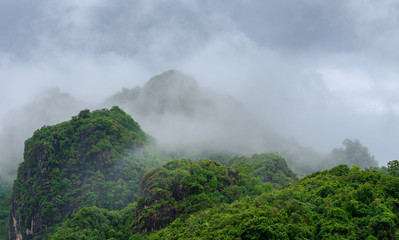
[(318, 71)]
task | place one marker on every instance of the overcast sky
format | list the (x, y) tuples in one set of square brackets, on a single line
[(318, 71)]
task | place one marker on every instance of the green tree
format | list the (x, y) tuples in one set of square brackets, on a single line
[(354, 153), (393, 168)]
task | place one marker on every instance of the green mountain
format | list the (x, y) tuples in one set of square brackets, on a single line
[(99, 176), (95, 159), (101, 161)]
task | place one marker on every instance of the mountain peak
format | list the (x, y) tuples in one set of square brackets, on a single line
[(171, 81)]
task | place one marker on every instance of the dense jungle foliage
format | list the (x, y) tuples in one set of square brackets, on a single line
[(99, 176), (177, 190), (341, 203)]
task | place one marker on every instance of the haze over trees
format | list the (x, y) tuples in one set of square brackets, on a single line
[(183, 115), (174, 109), (98, 159), (279, 122), (100, 174)]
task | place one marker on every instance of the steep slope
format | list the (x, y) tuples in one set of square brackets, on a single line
[(95, 159)]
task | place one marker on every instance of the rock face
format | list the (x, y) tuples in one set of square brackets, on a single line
[(71, 165)]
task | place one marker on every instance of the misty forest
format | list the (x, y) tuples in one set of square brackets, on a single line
[(99, 175), (147, 119)]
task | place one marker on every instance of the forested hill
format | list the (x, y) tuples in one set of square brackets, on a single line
[(95, 159), (182, 203), (175, 192), (101, 158), (100, 176), (341, 203)]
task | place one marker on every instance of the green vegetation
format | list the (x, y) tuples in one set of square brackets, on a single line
[(182, 187), (267, 167), (99, 176), (341, 203), (5, 193), (175, 191), (95, 159), (92, 223), (393, 168)]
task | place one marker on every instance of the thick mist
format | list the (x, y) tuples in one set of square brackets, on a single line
[(185, 119), (48, 108), (313, 72), (181, 114)]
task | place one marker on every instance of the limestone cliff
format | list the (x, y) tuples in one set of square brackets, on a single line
[(71, 165)]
